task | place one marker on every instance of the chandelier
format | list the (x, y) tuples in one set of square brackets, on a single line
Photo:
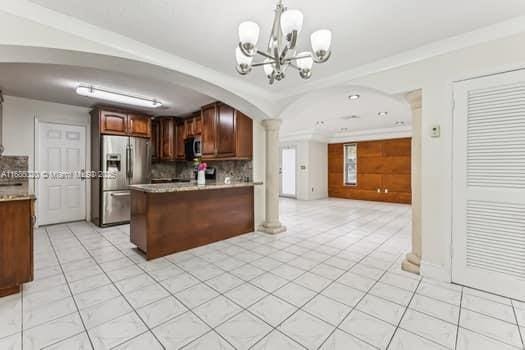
[(281, 52)]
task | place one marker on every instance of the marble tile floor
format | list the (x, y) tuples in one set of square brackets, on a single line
[(333, 281)]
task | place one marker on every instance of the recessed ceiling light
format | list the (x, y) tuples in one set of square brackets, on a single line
[(348, 117), (354, 97), (382, 114), (400, 123)]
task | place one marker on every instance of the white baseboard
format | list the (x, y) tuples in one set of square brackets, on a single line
[(435, 272)]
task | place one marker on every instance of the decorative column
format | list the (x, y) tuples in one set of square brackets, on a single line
[(272, 224), (413, 259)]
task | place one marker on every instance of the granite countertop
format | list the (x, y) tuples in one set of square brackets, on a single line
[(16, 197), (182, 187)]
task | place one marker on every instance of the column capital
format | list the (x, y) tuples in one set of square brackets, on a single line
[(414, 98), (272, 124)]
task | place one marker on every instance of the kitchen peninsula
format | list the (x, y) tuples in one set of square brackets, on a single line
[(172, 217)]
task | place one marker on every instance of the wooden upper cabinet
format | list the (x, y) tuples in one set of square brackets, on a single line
[(167, 138), (209, 131), (189, 130), (113, 123), (180, 151), (197, 123), (243, 136), (225, 131), (121, 122), (139, 125), (155, 139)]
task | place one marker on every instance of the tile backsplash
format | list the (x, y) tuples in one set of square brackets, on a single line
[(13, 175), (236, 169)]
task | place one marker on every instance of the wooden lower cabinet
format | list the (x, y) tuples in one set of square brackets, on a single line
[(16, 244), (383, 171), (166, 223)]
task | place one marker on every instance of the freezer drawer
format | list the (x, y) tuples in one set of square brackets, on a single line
[(116, 207)]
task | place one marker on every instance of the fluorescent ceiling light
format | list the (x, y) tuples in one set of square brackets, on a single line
[(107, 95)]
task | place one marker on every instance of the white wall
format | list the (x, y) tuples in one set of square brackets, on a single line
[(318, 161), (20, 115), (436, 76), (312, 169)]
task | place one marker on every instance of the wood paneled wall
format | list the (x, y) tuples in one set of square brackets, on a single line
[(381, 165)]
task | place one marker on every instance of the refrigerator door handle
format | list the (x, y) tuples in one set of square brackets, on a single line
[(131, 163), (127, 162)]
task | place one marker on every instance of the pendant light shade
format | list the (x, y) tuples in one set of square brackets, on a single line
[(268, 68), (306, 61), (291, 20), (321, 40), (249, 33), (241, 58)]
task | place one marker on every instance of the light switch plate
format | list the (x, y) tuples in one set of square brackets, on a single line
[(436, 131)]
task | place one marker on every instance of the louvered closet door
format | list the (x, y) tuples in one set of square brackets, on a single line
[(489, 184)]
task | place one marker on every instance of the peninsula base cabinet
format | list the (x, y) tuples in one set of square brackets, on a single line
[(16, 244)]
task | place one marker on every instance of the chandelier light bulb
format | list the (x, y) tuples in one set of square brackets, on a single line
[(268, 68), (306, 61), (242, 59), (291, 20), (248, 35), (321, 41)]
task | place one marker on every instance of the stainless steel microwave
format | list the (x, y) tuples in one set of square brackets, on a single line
[(192, 148)]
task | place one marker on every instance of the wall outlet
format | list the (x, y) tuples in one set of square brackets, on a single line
[(435, 131)]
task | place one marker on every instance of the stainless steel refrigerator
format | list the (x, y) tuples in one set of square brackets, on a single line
[(128, 162)]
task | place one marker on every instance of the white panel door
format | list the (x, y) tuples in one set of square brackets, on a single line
[(288, 172), (489, 184), (62, 156)]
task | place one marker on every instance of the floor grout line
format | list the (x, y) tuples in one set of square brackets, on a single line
[(69, 288), (459, 319), (114, 285)]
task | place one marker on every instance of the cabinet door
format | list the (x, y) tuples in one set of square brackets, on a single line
[(155, 140), (180, 141), (226, 131), (189, 132), (139, 126), (244, 136), (16, 243), (197, 124), (209, 131), (167, 139), (113, 123)]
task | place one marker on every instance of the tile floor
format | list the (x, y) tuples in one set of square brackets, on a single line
[(333, 281)]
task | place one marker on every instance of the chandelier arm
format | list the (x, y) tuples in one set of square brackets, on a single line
[(293, 65), (260, 64), (264, 54), (290, 59)]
